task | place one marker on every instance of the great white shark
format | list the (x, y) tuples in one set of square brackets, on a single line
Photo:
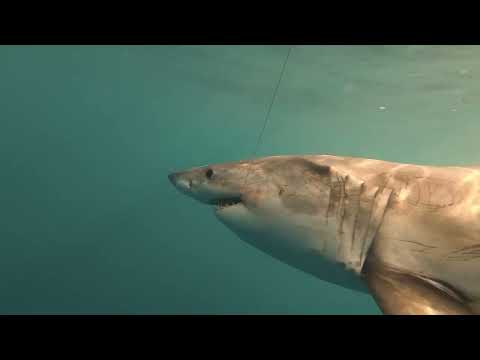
[(407, 234)]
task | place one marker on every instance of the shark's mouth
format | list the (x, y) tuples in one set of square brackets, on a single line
[(221, 204)]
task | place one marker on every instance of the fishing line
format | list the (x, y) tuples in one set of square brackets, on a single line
[(267, 116)]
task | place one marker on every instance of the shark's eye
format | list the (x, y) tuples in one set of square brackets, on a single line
[(209, 173)]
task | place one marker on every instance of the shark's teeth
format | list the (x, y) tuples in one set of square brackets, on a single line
[(223, 203)]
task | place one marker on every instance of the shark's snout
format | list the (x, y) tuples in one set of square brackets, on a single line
[(200, 184), (180, 182), (173, 178)]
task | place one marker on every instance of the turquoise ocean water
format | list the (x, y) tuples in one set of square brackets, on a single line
[(89, 223)]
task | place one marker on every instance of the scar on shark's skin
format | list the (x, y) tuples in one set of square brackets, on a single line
[(418, 243), (368, 216), (419, 247), (465, 254), (468, 248)]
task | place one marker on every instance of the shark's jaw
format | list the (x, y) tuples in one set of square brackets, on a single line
[(224, 203)]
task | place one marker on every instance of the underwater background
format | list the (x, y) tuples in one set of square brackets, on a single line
[(89, 223)]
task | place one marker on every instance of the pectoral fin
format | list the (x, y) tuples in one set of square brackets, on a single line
[(397, 293)]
